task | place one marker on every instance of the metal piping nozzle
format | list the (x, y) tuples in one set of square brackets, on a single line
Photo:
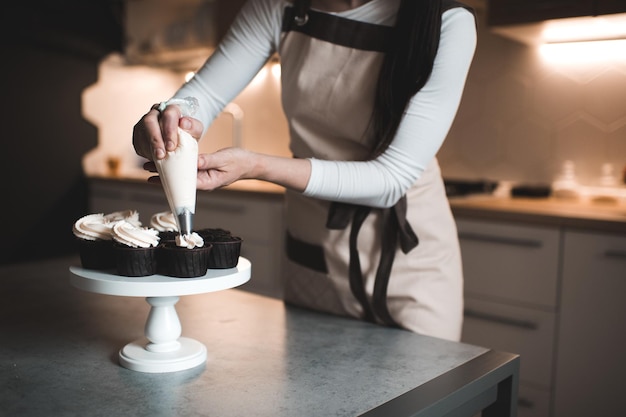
[(185, 222)]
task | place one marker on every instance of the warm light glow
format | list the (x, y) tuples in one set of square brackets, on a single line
[(260, 77), (276, 70), (189, 75), (585, 29), (584, 52)]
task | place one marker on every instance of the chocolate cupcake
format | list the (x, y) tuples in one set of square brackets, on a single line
[(94, 241), (187, 257), (135, 249), (226, 248)]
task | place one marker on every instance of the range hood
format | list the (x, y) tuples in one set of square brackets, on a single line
[(175, 34)]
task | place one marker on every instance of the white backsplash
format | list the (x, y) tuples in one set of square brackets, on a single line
[(521, 117)]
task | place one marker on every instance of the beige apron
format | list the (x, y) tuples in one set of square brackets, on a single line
[(329, 70)]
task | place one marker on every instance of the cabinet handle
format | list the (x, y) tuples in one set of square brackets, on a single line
[(615, 254), (524, 324), (531, 243)]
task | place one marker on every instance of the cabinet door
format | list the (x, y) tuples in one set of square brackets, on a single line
[(510, 263), (591, 362), (527, 332), (504, 12)]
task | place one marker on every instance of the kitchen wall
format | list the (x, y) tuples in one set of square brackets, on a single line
[(124, 93), (520, 118)]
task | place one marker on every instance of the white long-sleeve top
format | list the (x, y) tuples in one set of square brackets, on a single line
[(381, 182)]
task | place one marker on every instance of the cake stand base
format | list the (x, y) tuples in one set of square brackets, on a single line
[(162, 349), (136, 357)]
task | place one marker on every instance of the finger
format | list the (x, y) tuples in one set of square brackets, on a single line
[(154, 179), (204, 161), (150, 166), (147, 137), (193, 126), (141, 136), (170, 117)]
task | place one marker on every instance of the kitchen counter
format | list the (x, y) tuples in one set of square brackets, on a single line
[(586, 215), (577, 214), (60, 357), (140, 178)]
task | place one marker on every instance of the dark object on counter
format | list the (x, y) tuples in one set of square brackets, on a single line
[(456, 188), (532, 191)]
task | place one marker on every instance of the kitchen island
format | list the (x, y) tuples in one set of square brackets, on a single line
[(60, 358)]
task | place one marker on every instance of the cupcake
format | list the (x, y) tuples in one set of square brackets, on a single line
[(225, 250), (95, 241), (95, 244), (165, 223), (135, 249), (186, 257)]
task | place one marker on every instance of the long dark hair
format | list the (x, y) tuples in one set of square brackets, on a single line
[(406, 67)]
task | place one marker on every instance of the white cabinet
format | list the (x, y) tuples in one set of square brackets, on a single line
[(554, 295), (515, 263), (591, 363), (511, 294), (256, 217)]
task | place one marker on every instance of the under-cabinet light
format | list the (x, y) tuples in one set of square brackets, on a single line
[(584, 52)]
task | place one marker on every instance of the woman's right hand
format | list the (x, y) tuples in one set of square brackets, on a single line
[(156, 133)]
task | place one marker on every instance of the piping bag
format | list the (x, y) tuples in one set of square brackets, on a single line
[(178, 170)]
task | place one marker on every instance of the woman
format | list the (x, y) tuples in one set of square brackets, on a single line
[(370, 90)]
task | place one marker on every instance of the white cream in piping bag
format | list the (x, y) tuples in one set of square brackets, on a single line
[(178, 172)]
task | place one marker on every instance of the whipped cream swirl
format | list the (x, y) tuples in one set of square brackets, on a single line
[(130, 216), (190, 241), (136, 237), (164, 222), (99, 226), (92, 227)]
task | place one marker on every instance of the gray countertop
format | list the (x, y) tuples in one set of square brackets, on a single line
[(60, 348)]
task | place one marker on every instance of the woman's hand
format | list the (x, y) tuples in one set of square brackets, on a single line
[(156, 133), (232, 164), (224, 167)]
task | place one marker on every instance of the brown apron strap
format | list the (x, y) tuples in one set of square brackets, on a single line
[(339, 216), (396, 229)]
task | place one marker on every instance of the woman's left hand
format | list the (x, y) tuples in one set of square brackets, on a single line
[(228, 165), (225, 167)]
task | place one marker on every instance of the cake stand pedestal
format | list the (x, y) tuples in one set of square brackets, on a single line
[(163, 349)]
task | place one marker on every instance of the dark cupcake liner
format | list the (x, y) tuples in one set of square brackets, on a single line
[(225, 254), (96, 254), (135, 262), (180, 262)]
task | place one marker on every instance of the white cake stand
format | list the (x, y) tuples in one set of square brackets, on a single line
[(162, 349)]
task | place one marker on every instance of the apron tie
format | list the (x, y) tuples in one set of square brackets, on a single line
[(395, 229)]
